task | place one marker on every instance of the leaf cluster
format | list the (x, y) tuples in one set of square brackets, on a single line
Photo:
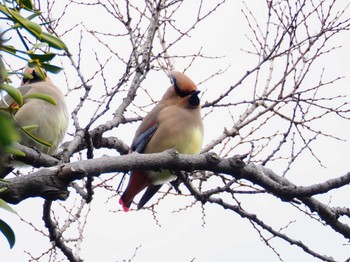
[(20, 15)]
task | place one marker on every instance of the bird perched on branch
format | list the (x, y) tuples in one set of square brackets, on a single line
[(175, 122), (43, 114)]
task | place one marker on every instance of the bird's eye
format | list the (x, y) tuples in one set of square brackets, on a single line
[(179, 92)]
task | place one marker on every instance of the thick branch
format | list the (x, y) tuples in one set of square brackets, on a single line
[(46, 179), (34, 157), (51, 183)]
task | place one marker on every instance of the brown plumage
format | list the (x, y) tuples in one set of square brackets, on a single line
[(175, 122), (51, 121)]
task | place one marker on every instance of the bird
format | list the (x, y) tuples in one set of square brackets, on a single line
[(175, 122), (49, 121)]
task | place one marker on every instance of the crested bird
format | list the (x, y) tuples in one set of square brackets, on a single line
[(175, 122), (49, 121)]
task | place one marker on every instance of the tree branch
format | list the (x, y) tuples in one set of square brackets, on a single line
[(55, 235), (51, 183)]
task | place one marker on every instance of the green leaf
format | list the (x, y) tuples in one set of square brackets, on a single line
[(13, 92), (27, 4), (5, 181), (33, 63), (9, 49), (30, 26), (3, 71), (39, 45), (40, 72), (25, 75), (51, 68), (7, 232), (35, 14), (8, 132), (36, 139), (14, 151), (30, 128), (41, 57), (4, 10), (41, 96), (6, 206), (53, 41)]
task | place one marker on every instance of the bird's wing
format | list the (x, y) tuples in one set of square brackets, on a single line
[(141, 141)]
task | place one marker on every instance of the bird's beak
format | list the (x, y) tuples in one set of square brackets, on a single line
[(195, 93)]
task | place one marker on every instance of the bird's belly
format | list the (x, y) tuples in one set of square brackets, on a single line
[(188, 143), (193, 144), (161, 177), (51, 127)]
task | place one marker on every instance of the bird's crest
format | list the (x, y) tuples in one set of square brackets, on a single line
[(183, 85)]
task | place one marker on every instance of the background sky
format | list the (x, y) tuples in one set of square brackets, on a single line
[(220, 235)]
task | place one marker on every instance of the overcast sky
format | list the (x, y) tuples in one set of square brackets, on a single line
[(183, 236)]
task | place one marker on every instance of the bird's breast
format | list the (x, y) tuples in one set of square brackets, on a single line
[(179, 129)]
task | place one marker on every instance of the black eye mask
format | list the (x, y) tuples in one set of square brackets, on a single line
[(177, 89), (36, 78)]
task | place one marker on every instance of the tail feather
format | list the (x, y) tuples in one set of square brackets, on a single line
[(126, 206), (138, 181), (150, 192)]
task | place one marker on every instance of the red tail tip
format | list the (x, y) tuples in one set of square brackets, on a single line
[(126, 209)]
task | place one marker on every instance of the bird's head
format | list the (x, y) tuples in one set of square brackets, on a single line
[(183, 90), (31, 75)]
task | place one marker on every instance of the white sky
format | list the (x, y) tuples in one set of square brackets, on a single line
[(181, 236)]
